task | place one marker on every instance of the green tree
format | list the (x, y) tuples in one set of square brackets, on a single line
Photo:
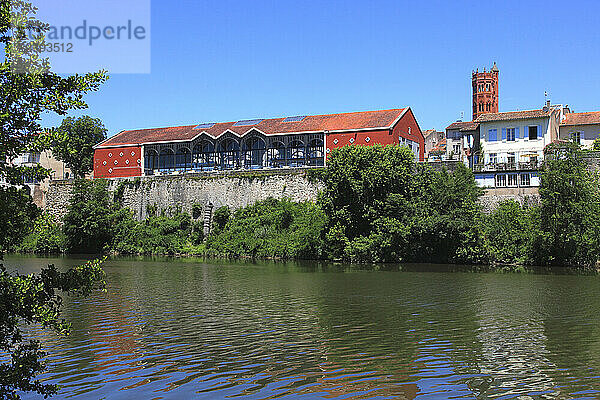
[(269, 229), (569, 210), (381, 207), (17, 213), (74, 140), (88, 224), (509, 231), (28, 89), (34, 299), (363, 187)]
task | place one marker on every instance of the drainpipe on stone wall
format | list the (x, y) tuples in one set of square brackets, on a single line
[(142, 161), (324, 148)]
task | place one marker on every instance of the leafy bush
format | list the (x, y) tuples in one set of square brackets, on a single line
[(220, 217), (88, 223), (47, 237), (155, 235), (383, 207), (269, 229), (508, 233), (17, 213)]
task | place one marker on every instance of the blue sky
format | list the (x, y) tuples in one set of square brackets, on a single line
[(228, 60)]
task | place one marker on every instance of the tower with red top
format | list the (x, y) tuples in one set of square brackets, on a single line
[(485, 92)]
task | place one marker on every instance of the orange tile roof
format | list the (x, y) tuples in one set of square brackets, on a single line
[(314, 123), (585, 118), (463, 126), (506, 116), (440, 147)]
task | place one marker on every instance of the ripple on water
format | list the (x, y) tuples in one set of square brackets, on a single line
[(171, 330)]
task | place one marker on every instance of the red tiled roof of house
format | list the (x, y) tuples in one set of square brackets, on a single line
[(313, 123), (585, 118), (505, 116), (441, 146), (463, 126)]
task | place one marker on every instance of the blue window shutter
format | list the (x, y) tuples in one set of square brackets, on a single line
[(517, 132), (503, 133), (489, 135), (540, 134), (525, 132)]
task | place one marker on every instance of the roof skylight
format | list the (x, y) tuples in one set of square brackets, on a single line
[(205, 126), (295, 119), (247, 122)]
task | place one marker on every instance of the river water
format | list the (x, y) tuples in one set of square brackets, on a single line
[(187, 329)]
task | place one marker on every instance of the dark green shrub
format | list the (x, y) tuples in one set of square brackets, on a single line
[(220, 217), (47, 237)]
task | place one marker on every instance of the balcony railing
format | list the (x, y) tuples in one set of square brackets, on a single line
[(514, 166)]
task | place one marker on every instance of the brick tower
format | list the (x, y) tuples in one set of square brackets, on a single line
[(485, 92)]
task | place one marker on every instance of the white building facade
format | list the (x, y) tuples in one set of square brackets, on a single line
[(512, 146)]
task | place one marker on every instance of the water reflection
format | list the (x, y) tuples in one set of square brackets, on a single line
[(187, 329)]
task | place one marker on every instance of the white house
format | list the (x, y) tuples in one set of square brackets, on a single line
[(512, 146), (582, 128)]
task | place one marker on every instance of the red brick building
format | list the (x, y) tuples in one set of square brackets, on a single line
[(485, 91), (252, 144)]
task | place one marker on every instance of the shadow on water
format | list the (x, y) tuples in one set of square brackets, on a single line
[(187, 328)]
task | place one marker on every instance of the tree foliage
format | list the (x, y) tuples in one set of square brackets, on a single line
[(570, 205), (73, 143), (382, 207), (46, 237), (88, 223), (28, 89), (34, 299), (17, 213), (269, 229)]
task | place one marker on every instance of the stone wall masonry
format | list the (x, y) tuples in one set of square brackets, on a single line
[(528, 197), (173, 193), (58, 197)]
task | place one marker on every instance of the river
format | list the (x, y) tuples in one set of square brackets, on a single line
[(188, 329)]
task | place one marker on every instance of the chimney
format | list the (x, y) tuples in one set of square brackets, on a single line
[(547, 106)]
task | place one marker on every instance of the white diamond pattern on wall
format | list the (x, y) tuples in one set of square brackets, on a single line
[(335, 141), (367, 139), (351, 140)]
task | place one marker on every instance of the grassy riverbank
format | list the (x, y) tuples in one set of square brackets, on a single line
[(377, 206)]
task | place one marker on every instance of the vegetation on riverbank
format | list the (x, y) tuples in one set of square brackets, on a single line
[(377, 205)]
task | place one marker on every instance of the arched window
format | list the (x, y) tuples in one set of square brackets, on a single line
[(254, 150), (183, 159), (228, 152), (295, 154), (276, 155), (315, 152), (203, 157), (150, 161), (166, 160)]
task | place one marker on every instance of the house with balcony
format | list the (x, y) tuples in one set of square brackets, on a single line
[(512, 146), (582, 128)]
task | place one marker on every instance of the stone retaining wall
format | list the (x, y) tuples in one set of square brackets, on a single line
[(173, 193)]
